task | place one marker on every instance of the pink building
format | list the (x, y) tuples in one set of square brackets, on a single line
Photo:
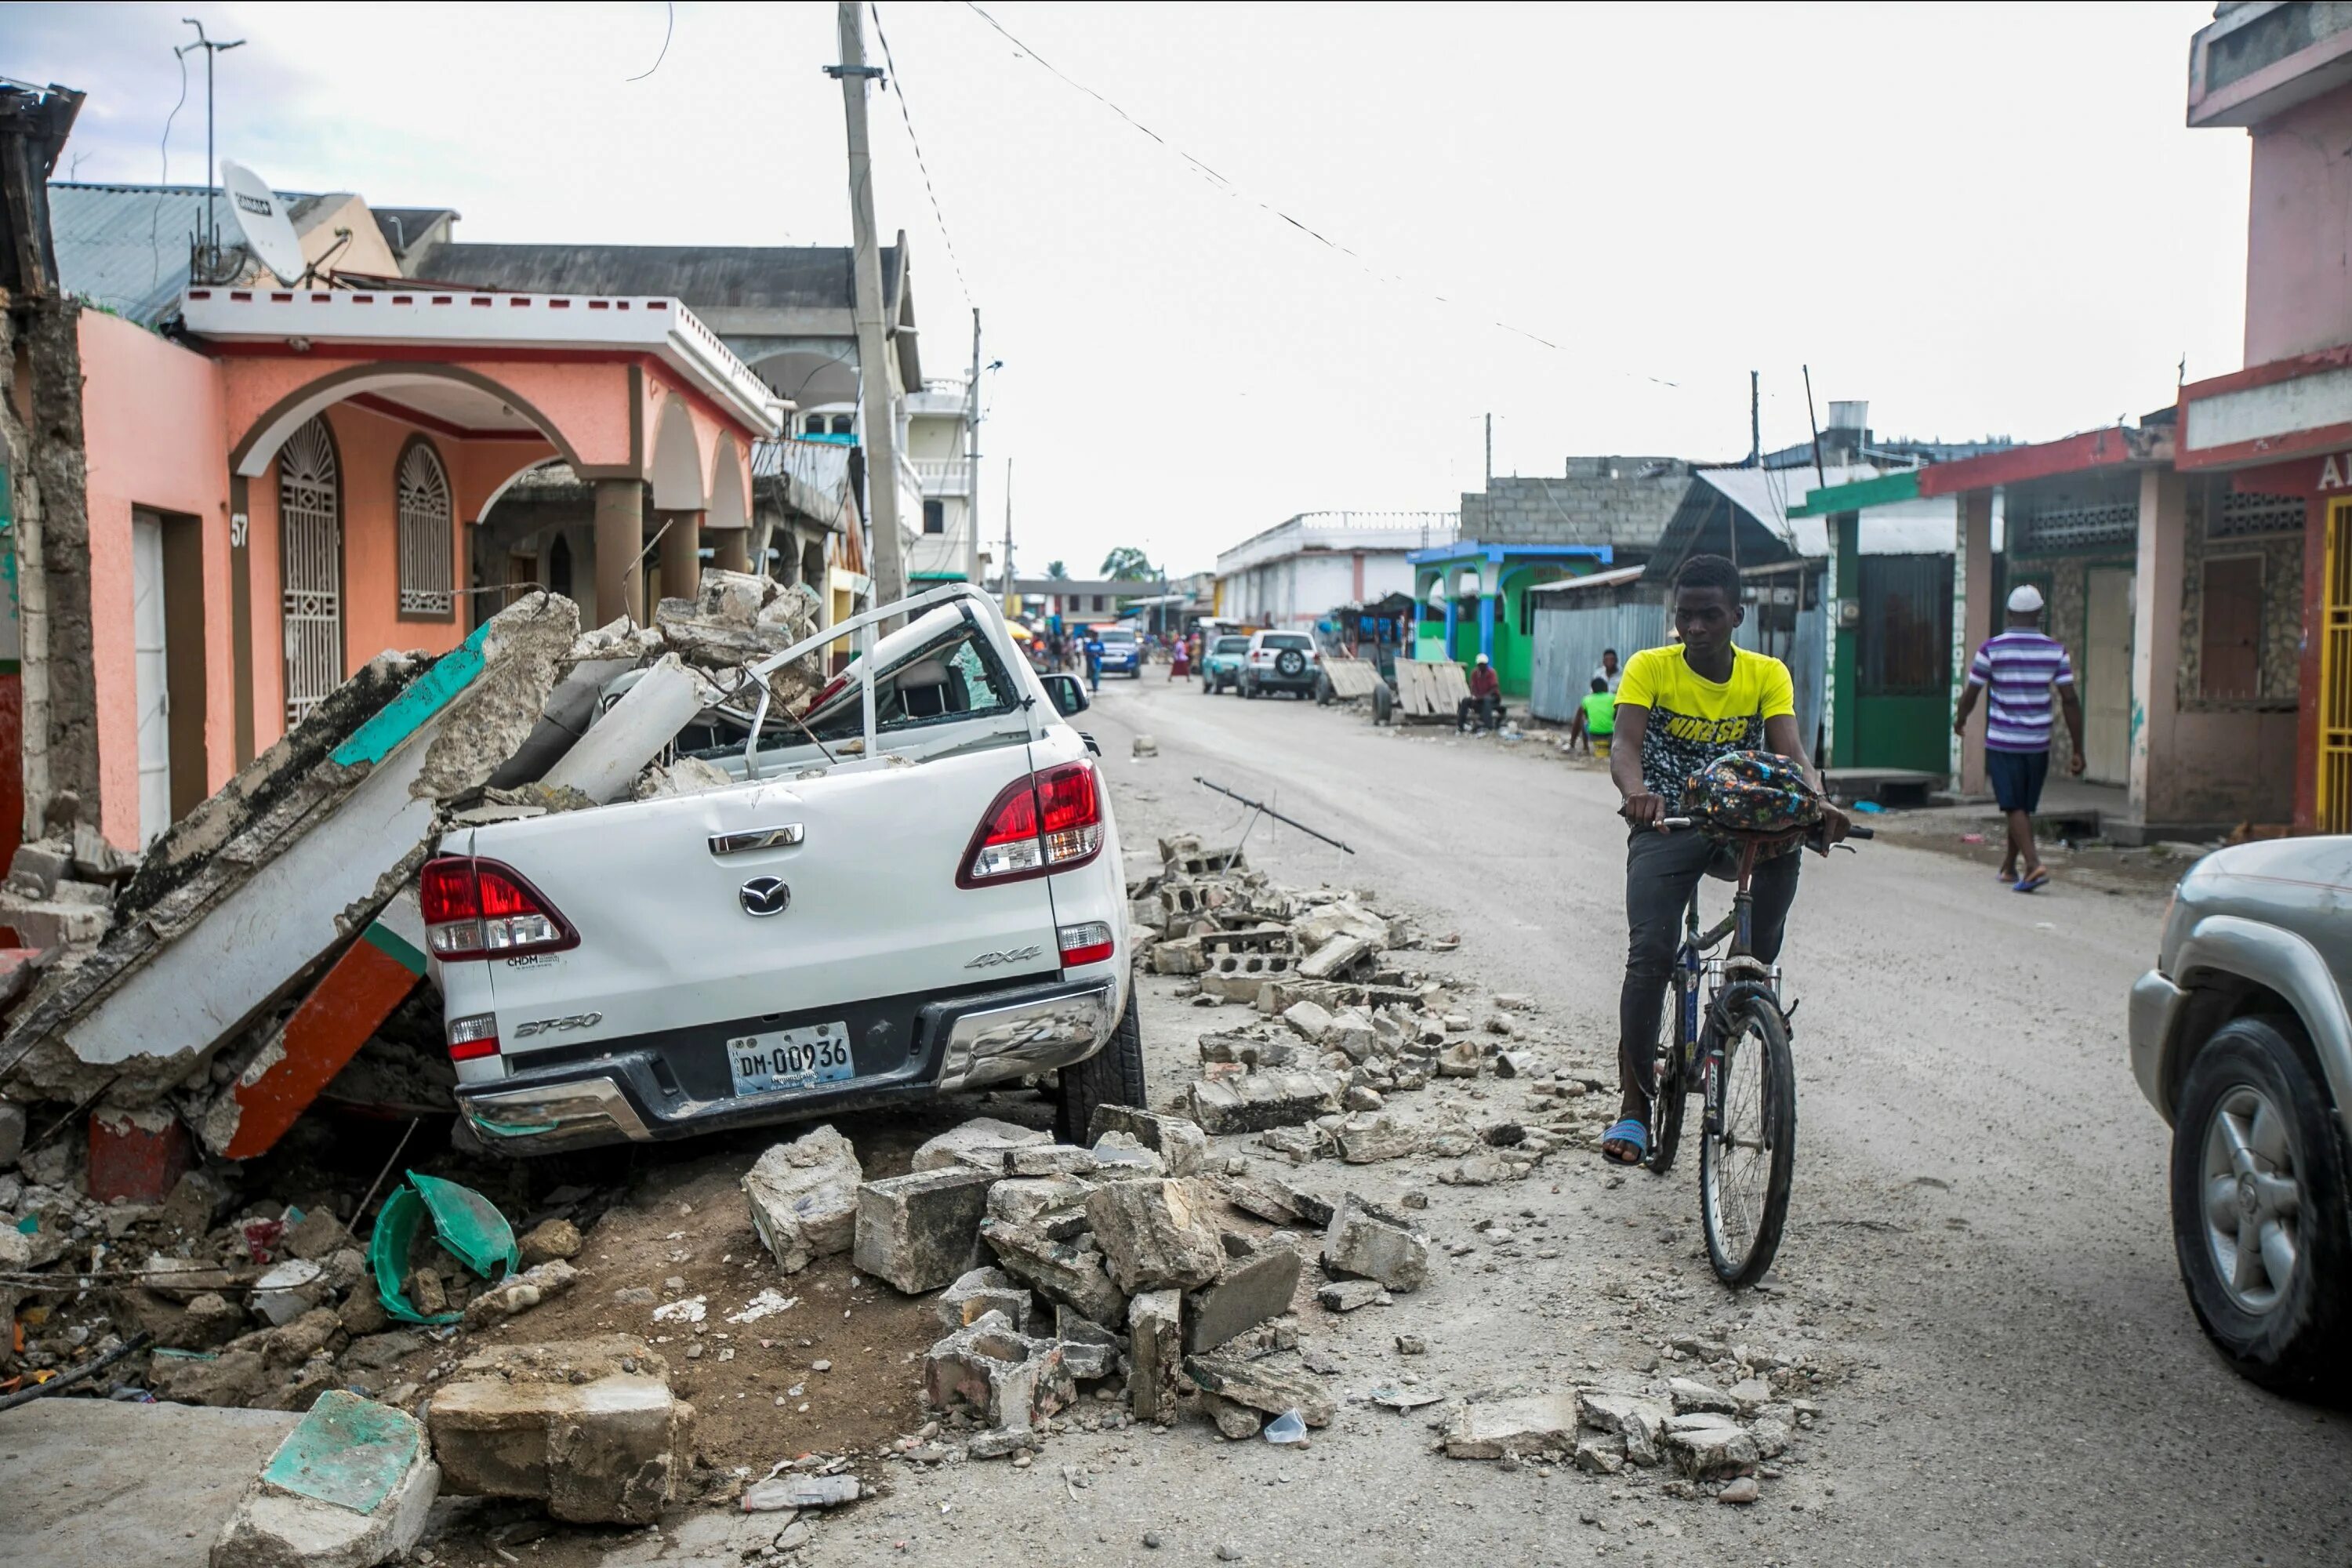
[(291, 485)]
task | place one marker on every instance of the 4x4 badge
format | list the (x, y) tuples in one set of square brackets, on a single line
[(764, 896)]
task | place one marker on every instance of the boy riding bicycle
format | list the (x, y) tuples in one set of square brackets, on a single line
[(1678, 709)]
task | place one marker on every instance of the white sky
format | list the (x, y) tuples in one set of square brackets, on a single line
[(1981, 218)]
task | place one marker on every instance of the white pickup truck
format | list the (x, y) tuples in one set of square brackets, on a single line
[(915, 889)]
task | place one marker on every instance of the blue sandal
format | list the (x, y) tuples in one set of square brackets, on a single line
[(1627, 1133)]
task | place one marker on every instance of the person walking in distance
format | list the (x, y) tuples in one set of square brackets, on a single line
[(2021, 667), (1677, 710)]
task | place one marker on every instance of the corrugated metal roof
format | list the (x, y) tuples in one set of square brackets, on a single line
[(126, 247)]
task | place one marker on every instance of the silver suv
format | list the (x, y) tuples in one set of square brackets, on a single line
[(2240, 1039)]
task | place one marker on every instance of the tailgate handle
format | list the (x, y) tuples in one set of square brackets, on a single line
[(782, 838)]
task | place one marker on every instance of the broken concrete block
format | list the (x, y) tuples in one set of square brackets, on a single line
[(1351, 1035), (350, 1486), (1066, 1273), (1348, 1295), (1179, 955), (520, 1292), (1369, 1136), (12, 1134), (1123, 1156), (1155, 1234), (1262, 1100), (1250, 1291), (1603, 1455), (1249, 1050), (1342, 917), (1055, 1203), (1492, 1428), (979, 1292), (1641, 1422), (288, 1290), (1365, 1243), (1689, 1395), (37, 866), (1709, 1452), (588, 1426), (1460, 1059), (1179, 1142), (1088, 1350), (1263, 1200), (548, 1241), (804, 1200), (982, 1132), (991, 1371), (1517, 1064), (687, 775), (1336, 958), (1234, 1422), (1261, 1386), (916, 1231), (1043, 1159), (1312, 1021), (1155, 1355)]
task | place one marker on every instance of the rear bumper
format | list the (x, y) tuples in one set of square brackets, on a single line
[(2155, 1002), (966, 1042), (1271, 679)]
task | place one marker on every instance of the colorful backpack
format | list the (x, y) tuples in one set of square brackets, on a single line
[(1750, 792)]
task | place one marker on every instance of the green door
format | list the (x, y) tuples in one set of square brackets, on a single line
[(1903, 659)]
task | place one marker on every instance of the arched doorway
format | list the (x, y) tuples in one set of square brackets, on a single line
[(311, 566)]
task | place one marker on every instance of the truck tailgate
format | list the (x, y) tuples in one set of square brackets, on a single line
[(864, 902)]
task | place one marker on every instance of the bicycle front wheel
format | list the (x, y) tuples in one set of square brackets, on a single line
[(1669, 1089), (1748, 1152)]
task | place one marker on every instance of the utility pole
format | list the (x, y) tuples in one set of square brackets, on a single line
[(1490, 459), (972, 461), (1755, 423), (211, 170), (880, 420), (1007, 579)]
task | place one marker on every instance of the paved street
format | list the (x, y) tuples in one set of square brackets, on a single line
[(1980, 1227)]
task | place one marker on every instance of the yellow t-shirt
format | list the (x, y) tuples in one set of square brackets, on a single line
[(1693, 720)]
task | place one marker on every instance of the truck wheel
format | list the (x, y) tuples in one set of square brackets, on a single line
[(2258, 1208), (1249, 688), (1112, 1075), (1383, 703)]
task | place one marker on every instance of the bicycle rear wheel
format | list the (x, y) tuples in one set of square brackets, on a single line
[(1669, 1089), (1748, 1153)]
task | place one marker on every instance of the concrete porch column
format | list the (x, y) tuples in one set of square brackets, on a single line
[(1973, 618), (681, 568), (730, 549), (620, 535), (2156, 588)]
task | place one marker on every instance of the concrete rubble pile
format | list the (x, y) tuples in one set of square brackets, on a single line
[(200, 997), (1112, 1272), (1717, 1439), (1343, 1026)]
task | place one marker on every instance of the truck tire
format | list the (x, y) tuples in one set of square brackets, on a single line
[(1112, 1075), (2280, 1316), (1383, 703)]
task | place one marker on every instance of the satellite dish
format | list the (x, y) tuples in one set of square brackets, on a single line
[(262, 219)]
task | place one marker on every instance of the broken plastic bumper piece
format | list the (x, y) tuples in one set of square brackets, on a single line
[(633, 1095)]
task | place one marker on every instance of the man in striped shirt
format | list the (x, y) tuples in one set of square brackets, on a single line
[(2022, 668)]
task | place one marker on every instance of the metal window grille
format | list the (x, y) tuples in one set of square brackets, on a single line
[(2078, 527), (428, 582), (2248, 515), (311, 566)]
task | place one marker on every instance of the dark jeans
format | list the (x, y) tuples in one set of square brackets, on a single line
[(1486, 711), (1661, 870)]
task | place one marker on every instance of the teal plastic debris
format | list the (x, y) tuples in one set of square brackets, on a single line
[(469, 1227), (348, 1451)]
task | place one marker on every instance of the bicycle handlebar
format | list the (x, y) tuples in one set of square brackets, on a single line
[(1854, 830)]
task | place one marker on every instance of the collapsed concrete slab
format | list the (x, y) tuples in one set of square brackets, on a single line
[(1262, 1385), (1492, 1428), (589, 1426), (244, 899), (171, 1475), (803, 1198), (350, 1486), (603, 764), (1253, 1288)]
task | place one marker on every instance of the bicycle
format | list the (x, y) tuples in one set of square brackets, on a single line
[(1747, 1147)]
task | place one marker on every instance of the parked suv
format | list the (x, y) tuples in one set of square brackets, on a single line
[(2240, 1038), (896, 896), (1221, 666), (1281, 661)]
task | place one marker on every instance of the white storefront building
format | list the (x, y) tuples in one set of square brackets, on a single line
[(1298, 571)]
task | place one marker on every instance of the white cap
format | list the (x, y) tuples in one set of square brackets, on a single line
[(1484, 659), (2025, 599)]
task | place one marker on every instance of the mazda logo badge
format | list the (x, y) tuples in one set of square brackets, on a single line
[(765, 896)]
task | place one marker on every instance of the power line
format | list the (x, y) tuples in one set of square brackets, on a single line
[(669, 27), (890, 74), (1230, 188)]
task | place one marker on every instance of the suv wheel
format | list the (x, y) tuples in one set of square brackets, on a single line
[(1112, 1075), (2259, 1207), (1249, 688)]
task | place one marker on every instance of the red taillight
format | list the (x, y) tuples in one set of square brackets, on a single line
[(1036, 826), (471, 1039), (1087, 944), (480, 908)]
